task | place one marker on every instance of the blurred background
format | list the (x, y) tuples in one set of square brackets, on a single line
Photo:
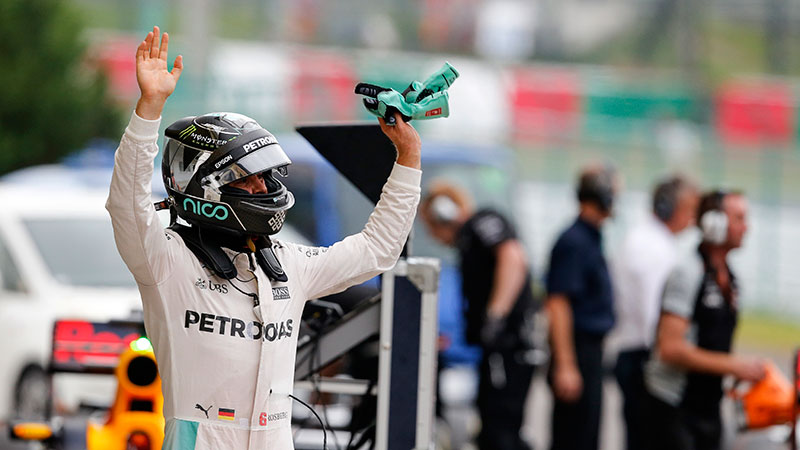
[(709, 88)]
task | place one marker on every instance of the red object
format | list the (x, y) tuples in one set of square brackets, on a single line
[(755, 113), (116, 58), (86, 344), (797, 373), (793, 435), (545, 104), (322, 85), (433, 112), (138, 441)]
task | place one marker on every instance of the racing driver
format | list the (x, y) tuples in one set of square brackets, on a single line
[(222, 301)]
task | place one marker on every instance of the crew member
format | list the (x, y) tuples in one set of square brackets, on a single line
[(639, 272), (222, 301), (581, 312), (693, 343), (497, 286)]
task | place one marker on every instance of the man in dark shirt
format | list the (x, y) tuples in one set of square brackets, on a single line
[(580, 309), (497, 286), (693, 344)]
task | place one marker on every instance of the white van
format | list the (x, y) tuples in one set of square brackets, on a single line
[(57, 260)]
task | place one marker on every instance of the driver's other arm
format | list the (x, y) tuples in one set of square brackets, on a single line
[(376, 248), (137, 230)]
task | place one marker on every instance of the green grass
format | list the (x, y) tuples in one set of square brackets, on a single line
[(760, 330)]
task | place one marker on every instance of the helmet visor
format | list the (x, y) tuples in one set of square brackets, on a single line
[(261, 160), (181, 162)]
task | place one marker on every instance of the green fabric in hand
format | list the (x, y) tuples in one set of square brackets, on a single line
[(421, 100)]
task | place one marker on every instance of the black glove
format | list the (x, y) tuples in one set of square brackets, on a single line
[(491, 331)]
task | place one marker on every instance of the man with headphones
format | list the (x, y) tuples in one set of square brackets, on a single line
[(693, 342), (581, 312), (496, 283), (639, 271)]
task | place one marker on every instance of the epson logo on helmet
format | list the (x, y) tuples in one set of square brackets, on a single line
[(222, 161), (209, 210), (258, 143)]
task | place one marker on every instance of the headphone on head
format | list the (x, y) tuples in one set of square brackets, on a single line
[(444, 210), (714, 222)]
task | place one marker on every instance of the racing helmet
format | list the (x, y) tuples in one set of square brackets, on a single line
[(204, 154)]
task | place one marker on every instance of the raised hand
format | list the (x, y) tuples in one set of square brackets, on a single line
[(405, 139), (156, 83)]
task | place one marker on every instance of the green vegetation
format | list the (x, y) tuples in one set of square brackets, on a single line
[(759, 330), (724, 48), (52, 101)]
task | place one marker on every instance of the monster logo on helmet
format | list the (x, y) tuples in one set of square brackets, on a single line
[(203, 155)]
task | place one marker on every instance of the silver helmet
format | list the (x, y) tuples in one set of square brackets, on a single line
[(203, 155)]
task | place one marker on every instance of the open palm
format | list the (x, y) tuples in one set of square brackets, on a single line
[(155, 81)]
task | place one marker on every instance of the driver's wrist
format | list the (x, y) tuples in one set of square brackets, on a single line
[(149, 108), (409, 160)]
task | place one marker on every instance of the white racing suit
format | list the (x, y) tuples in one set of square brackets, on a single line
[(227, 366)]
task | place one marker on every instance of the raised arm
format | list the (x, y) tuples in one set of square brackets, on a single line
[(139, 235), (406, 141), (156, 83), (376, 248)]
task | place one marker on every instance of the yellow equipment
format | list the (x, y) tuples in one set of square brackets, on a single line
[(135, 419)]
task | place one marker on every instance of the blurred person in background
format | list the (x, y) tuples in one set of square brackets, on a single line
[(639, 272), (693, 343), (580, 310), (222, 301), (496, 283)]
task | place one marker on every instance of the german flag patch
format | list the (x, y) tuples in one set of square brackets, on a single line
[(226, 414)]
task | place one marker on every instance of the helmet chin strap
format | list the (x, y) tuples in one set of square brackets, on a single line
[(267, 259), (211, 254)]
